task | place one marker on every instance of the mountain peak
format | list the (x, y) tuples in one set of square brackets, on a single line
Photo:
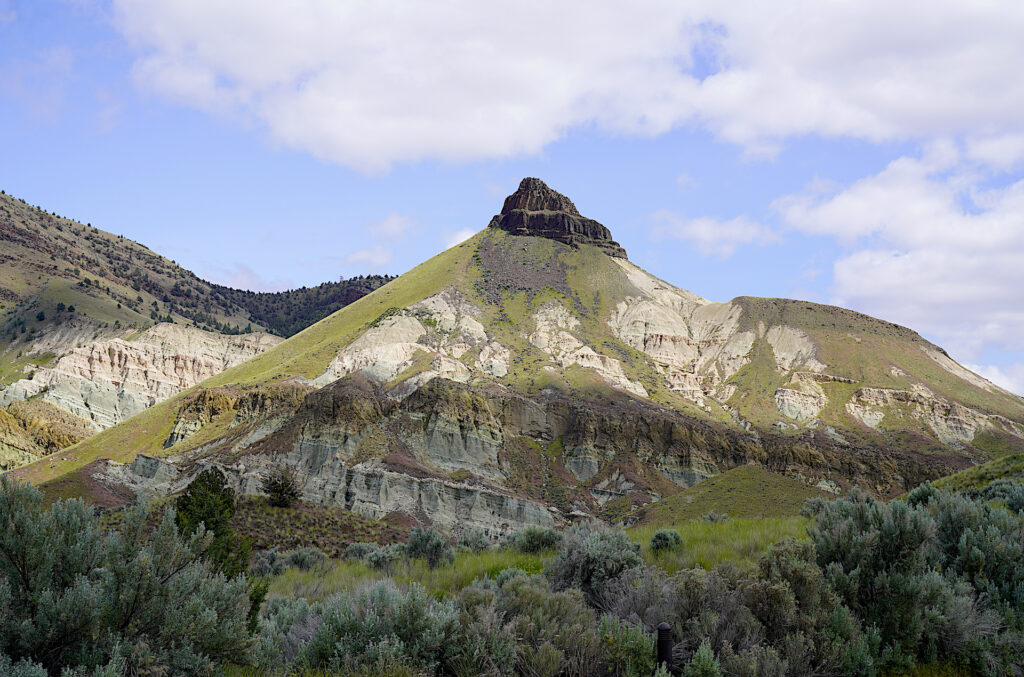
[(535, 196), (537, 210)]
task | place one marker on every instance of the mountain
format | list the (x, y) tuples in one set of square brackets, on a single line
[(533, 374), (99, 327)]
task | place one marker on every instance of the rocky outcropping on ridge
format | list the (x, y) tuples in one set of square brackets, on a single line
[(535, 209), (106, 382)]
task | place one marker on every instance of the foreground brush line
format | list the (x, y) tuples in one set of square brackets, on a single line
[(935, 579)]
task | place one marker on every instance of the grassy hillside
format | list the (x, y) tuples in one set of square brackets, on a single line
[(744, 492), (1005, 468), (58, 273)]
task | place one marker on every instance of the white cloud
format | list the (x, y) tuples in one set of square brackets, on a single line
[(1010, 377), (929, 245), (713, 237), (368, 84), (458, 237), (392, 226), (371, 257)]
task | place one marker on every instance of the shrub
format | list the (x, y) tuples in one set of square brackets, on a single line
[(628, 650), (532, 540), (281, 487), (74, 596), (267, 563), (381, 625), (272, 563), (359, 550), (665, 539), (905, 570), (474, 540), (556, 631), (703, 663), (384, 558), (486, 646), (427, 544), (210, 502), (589, 557), (713, 516), (304, 559)]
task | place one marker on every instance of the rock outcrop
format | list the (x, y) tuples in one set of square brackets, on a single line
[(33, 429), (369, 489), (526, 379), (106, 382), (535, 209)]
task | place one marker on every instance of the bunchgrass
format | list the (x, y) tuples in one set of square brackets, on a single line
[(444, 581), (708, 544)]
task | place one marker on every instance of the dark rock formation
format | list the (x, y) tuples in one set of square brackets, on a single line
[(534, 209)]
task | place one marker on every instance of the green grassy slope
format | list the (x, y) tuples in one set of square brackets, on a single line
[(58, 272), (510, 277), (744, 492), (1005, 468), (304, 355)]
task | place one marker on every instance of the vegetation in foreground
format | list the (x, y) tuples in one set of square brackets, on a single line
[(932, 584)]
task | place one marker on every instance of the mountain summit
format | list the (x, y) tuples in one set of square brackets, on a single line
[(532, 375), (535, 209)]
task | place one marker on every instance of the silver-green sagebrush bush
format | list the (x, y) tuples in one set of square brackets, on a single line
[(430, 546), (589, 556), (74, 597)]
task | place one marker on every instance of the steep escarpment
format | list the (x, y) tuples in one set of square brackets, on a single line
[(106, 382), (537, 371)]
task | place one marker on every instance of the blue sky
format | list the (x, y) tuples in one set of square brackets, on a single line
[(856, 153)]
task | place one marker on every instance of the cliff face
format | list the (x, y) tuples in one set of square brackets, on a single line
[(104, 382), (537, 210), (521, 377)]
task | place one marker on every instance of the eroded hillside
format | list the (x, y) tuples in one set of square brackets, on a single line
[(532, 376)]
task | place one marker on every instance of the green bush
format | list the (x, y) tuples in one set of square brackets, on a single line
[(267, 563), (384, 558), (427, 544), (281, 487), (922, 573), (304, 559), (376, 625), (703, 663), (590, 556), (628, 650), (665, 539), (127, 600), (532, 540), (474, 540), (556, 631), (210, 502), (272, 563), (360, 550)]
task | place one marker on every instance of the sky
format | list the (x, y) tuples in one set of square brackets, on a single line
[(867, 154)]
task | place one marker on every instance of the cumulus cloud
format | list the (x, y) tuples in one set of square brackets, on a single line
[(930, 244), (369, 84), (713, 237)]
